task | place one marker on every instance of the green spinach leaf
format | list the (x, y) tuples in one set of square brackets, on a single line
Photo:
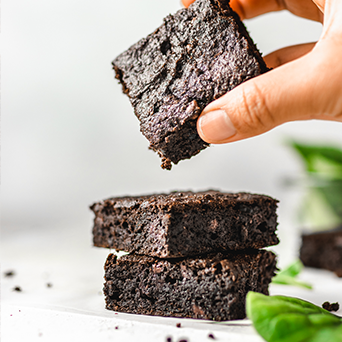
[(324, 160), (288, 275), (287, 319), (322, 204)]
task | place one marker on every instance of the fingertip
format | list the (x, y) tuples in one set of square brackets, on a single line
[(215, 127), (187, 3)]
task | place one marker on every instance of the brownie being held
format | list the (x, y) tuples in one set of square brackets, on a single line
[(195, 57)]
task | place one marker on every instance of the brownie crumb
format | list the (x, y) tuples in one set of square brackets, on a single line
[(17, 289), (48, 285), (9, 274), (211, 336), (178, 325), (331, 306)]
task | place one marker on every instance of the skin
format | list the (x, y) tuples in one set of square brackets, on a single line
[(305, 84)]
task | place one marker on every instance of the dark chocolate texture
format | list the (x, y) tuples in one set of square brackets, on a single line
[(185, 223), (195, 57), (210, 287), (323, 250)]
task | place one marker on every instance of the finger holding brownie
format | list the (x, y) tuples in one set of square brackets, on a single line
[(306, 82)]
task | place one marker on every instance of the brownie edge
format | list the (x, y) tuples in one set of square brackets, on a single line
[(196, 56), (210, 287), (182, 224)]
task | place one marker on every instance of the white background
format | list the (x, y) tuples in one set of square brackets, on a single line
[(70, 138), (69, 135)]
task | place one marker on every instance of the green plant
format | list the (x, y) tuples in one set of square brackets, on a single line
[(287, 319), (322, 206), (288, 275), (323, 160)]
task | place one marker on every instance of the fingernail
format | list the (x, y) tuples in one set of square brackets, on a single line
[(216, 126)]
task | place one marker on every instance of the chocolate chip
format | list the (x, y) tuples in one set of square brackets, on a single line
[(211, 336), (178, 325), (17, 289), (168, 339), (9, 274), (117, 327), (48, 285)]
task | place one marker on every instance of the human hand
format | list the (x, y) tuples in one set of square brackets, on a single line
[(305, 84)]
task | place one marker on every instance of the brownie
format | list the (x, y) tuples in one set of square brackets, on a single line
[(180, 224), (193, 58), (210, 287), (323, 250)]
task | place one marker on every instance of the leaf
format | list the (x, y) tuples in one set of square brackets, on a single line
[(286, 280), (322, 206), (287, 276), (287, 319), (326, 160), (320, 210), (293, 269)]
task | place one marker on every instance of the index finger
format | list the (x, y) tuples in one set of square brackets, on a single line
[(249, 8), (252, 8)]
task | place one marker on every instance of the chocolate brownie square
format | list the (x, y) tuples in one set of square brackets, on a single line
[(323, 250), (209, 287), (180, 224), (195, 57)]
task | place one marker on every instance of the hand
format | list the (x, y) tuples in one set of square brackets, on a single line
[(306, 82)]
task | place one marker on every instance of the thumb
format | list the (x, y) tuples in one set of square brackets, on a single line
[(298, 90)]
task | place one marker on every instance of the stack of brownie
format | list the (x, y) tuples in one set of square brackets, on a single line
[(190, 254)]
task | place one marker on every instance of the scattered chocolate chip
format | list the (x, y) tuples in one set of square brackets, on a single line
[(168, 339), (183, 341), (48, 285), (331, 306), (211, 336), (9, 274), (17, 288), (116, 328), (178, 325)]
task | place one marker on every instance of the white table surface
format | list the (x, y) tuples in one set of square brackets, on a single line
[(72, 309)]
